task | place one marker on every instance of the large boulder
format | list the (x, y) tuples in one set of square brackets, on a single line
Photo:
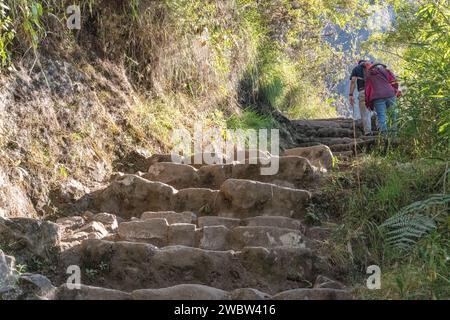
[(26, 286), (8, 274), (179, 176), (14, 201), (30, 237), (35, 287), (130, 195), (134, 161)]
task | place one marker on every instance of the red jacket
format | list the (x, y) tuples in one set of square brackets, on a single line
[(380, 84)]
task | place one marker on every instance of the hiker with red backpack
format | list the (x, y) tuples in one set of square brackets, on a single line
[(381, 92)]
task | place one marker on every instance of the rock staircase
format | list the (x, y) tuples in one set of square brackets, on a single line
[(344, 136), (208, 231)]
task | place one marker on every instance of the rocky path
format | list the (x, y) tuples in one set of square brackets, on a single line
[(182, 232)]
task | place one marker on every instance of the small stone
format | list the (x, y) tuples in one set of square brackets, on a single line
[(96, 230), (88, 215), (107, 219), (79, 236), (71, 222)]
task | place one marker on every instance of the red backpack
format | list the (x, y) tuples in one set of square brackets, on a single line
[(380, 83)]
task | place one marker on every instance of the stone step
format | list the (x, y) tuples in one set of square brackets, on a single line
[(130, 195), (158, 232), (221, 238), (245, 199), (130, 266), (90, 293), (173, 217), (331, 141), (274, 221), (267, 237), (360, 145), (293, 171), (181, 292), (320, 156), (197, 292), (198, 160), (313, 294), (211, 221), (325, 123), (259, 221), (343, 147), (179, 176)]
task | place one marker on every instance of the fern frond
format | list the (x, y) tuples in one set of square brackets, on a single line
[(406, 227)]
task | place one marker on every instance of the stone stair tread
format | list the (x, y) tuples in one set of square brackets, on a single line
[(187, 292), (275, 221), (258, 221), (181, 292), (313, 294), (267, 236), (130, 195), (208, 221), (360, 144), (171, 216), (249, 198), (90, 293), (158, 232), (293, 170), (132, 266)]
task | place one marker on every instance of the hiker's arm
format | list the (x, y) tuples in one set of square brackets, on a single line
[(353, 85), (352, 90)]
